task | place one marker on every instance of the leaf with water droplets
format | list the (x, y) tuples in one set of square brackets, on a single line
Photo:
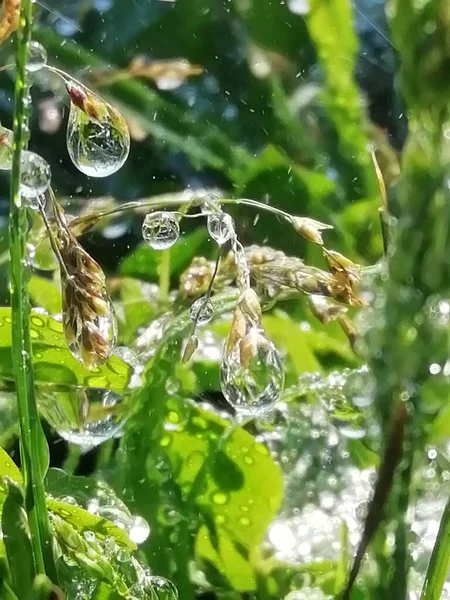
[(53, 362), (83, 521)]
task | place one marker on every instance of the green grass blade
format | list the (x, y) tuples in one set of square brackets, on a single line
[(439, 561)]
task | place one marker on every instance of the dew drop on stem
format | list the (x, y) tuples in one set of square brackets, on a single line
[(161, 230), (35, 176), (98, 138), (201, 311), (37, 57), (220, 227)]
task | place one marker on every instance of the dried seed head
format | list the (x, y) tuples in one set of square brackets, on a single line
[(196, 278), (249, 347), (326, 309), (190, 348), (250, 305), (310, 229), (88, 315)]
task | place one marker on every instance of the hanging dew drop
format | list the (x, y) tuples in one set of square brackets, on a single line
[(254, 387), (35, 175), (139, 530), (86, 417), (37, 57), (98, 139), (201, 311), (220, 227), (161, 230)]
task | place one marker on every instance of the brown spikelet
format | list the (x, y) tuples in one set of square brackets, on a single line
[(9, 18), (88, 316)]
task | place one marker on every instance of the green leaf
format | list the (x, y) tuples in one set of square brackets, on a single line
[(143, 262), (330, 26), (44, 293), (137, 309), (440, 428), (83, 521), (52, 360), (8, 467), (17, 542)]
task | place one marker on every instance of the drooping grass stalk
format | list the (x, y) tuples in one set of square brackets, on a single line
[(440, 560), (33, 446)]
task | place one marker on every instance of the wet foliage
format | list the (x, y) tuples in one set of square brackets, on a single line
[(224, 363)]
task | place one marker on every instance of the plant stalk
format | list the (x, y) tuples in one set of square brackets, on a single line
[(33, 447)]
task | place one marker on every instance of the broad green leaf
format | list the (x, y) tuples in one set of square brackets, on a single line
[(143, 262), (45, 293), (17, 542), (226, 558), (138, 309), (53, 362), (8, 467), (83, 521), (440, 427)]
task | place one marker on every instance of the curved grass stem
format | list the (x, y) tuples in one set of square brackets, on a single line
[(33, 446)]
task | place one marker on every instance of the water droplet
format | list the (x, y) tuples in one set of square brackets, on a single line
[(201, 311), (86, 417), (139, 530), (37, 57), (254, 388), (35, 176), (220, 498), (98, 139), (220, 227), (298, 7), (161, 230), (245, 521)]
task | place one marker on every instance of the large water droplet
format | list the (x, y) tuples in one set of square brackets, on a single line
[(161, 230), (139, 530), (220, 227), (254, 388), (37, 57), (83, 416), (35, 175), (201, 311), (98, 139)]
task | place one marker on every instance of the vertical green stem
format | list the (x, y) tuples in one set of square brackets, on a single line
[(440, 560), (164, 275), (34, 451)]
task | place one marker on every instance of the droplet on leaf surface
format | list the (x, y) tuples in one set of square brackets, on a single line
[(161, 230), (37, 57), (98, 139), (35, 175)]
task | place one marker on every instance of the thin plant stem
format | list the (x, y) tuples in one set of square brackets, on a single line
[(440, 560), (164, 276), (153, 203), (33, 446)]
